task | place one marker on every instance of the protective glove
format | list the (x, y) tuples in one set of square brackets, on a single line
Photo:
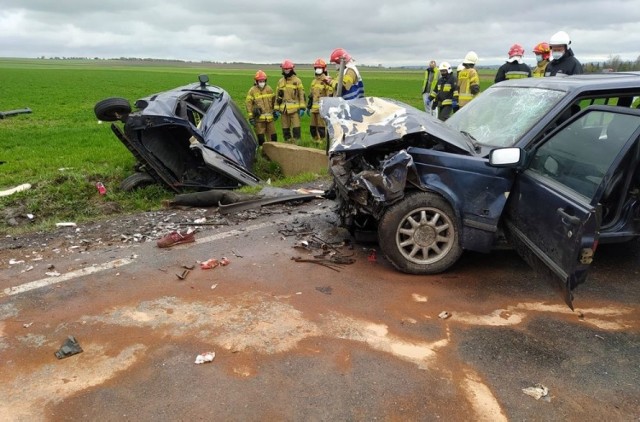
[(252, 121), (276, 114), (454, 105), (301, 112)]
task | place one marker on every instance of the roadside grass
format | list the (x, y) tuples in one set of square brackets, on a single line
[(62, 150)]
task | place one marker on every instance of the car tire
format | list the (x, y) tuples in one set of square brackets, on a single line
[(420, 234), (112, 109), (136, 181)]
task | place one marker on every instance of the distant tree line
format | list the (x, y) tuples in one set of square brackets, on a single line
[(614, 64)]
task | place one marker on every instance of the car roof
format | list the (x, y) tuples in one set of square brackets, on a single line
[(590, 81)]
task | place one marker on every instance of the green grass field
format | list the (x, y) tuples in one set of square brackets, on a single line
[(62, 150)]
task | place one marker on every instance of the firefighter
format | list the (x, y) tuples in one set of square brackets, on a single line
[(318, 90), (445, 94), (468, 79), (564, 62), (430, 80), (542, 52), (514, 68), (290, 102), (352, 84), (260, 103)]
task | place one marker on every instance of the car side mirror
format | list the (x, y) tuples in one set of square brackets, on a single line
[(203, 80), (506, 157)]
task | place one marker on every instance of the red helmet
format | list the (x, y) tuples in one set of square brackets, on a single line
[(340, 53), (320, 63), (287, 65), (543, 49), (516, 50), (260, 76)]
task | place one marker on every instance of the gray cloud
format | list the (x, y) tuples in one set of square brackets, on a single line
[(374, 31)]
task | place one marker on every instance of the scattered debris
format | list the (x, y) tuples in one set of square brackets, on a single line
[(209, 264), (444, 315), (257, 203), (599, 336), (16, 189), (27, 325), (372, 256), (224, 261), (8, 113), (15, 261), (205, 357), (52, 274), (213, 286), (326, 290), (66, 224), (183, 275), (188, 267), (537, 392), (69, 348), (419, 298)]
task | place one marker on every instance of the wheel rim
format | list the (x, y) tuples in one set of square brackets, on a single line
[(425, 235)]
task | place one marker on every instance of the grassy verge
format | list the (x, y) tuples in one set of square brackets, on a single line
[(62, 150)]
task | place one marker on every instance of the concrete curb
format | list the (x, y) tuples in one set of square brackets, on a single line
[(294, 159)]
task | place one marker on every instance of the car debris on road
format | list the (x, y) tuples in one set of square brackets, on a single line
[(69, 348)]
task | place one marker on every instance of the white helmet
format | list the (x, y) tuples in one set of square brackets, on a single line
[(560, 38), (445, 66), (460, 67), (470, 58)]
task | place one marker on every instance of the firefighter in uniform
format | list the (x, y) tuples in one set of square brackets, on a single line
[(260, 102), (352, 84), (318, 90), (513, 68), (468, 79), (564, 62), (542, 52), (445, 94), (430, 80), (290, 102)]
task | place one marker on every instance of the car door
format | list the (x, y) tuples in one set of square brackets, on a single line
[(553, 214)]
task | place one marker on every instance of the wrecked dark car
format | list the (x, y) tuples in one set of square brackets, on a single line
[(192, 137), (549, 164)]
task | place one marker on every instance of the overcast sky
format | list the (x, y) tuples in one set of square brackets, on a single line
[(375, 32)]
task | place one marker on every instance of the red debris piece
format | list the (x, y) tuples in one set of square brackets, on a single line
[(372, 256)]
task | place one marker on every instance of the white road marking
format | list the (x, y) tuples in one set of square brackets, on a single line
[(49, 281)]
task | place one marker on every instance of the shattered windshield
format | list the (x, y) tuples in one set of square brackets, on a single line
[(500, 116)]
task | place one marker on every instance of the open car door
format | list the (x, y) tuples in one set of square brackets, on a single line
[(555, 208)]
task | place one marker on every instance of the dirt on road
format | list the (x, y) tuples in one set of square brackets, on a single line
[(296, 339)]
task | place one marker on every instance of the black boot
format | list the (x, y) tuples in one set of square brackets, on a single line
[(296, 133), (286, 134), (314, 132), (261, 139)]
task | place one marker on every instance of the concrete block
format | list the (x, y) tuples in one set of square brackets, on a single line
[(294, 159)]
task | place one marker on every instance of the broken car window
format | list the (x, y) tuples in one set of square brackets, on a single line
[(501, 116)]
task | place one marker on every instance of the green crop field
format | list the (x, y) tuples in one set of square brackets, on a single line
[(62, 150)]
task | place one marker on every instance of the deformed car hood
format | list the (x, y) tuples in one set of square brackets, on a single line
[(371, 121)]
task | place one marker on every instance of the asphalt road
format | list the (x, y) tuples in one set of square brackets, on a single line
[(302, 341)]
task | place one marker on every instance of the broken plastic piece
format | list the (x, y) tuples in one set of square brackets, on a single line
[(205, 357), (537, 392), (224, 261), (16, 189), (69, 348), (444, 315), (183, 275), (66, 224)]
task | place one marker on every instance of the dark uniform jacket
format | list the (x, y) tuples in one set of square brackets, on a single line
[(512, 70), (567, 65)]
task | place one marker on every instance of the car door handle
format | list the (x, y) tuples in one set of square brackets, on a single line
[(570, 218)]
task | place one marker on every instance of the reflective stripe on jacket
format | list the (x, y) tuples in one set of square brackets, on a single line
[(446, 90), (352, 85), (430, 80), (318, 89), (512, 70), (290, 95), (468, 85), (261, 99)]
